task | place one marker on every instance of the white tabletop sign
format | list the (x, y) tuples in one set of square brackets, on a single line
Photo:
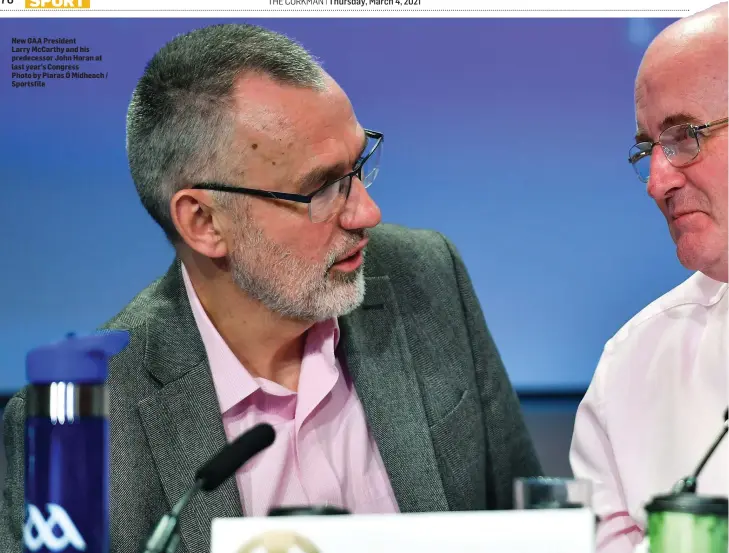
[(534, 531)]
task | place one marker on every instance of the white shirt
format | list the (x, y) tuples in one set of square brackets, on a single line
[(654, 407)]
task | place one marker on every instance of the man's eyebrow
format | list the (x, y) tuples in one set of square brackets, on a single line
[(678, 119), (642, 136), (319, 175), (669, 121)]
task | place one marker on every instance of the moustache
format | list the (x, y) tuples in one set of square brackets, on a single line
[(351, 241)]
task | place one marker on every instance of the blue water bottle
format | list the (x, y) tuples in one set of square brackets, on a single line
[(67, 445)]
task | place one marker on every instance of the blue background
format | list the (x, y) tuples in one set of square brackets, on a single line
[(509, 136)]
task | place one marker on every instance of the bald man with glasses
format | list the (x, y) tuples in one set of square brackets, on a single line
[(658, 395)]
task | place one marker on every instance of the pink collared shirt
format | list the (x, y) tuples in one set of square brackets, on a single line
[(323, 452)]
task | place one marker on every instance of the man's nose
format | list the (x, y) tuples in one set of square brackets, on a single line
[(360, 211), (664, 178)]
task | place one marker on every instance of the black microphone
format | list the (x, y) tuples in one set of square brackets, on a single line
[(688, 484), (164, 538)]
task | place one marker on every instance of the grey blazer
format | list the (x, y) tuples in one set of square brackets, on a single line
[(438, 401)]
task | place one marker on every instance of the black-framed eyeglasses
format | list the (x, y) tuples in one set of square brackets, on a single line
[(679, 143), (329, 199)]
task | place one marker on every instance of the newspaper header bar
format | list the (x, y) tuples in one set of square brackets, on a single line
[(348, 8)]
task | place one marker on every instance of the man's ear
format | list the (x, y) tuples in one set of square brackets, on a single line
[(198, 222)]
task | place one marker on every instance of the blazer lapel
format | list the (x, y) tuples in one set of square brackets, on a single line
[(375, 351), (182, 420)]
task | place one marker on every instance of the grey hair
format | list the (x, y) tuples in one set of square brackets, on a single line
[(180, 121)]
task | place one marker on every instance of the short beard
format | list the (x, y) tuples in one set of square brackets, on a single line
[(290, 286)]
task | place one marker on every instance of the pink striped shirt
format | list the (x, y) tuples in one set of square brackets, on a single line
[(323, 452)]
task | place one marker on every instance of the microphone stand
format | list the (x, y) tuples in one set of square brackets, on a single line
[(688, 484), (165, 538)]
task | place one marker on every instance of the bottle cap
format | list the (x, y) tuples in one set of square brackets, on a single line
[(81, 359), (689, 503)]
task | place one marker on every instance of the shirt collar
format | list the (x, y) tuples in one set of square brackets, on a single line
[(233, 383)]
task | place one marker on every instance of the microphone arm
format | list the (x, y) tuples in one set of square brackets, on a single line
[(688, 485), (165, 538)]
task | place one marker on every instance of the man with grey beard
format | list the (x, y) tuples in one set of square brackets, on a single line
[(381, 379)]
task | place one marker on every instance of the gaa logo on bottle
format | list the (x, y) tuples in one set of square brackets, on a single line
[(55, 533)]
